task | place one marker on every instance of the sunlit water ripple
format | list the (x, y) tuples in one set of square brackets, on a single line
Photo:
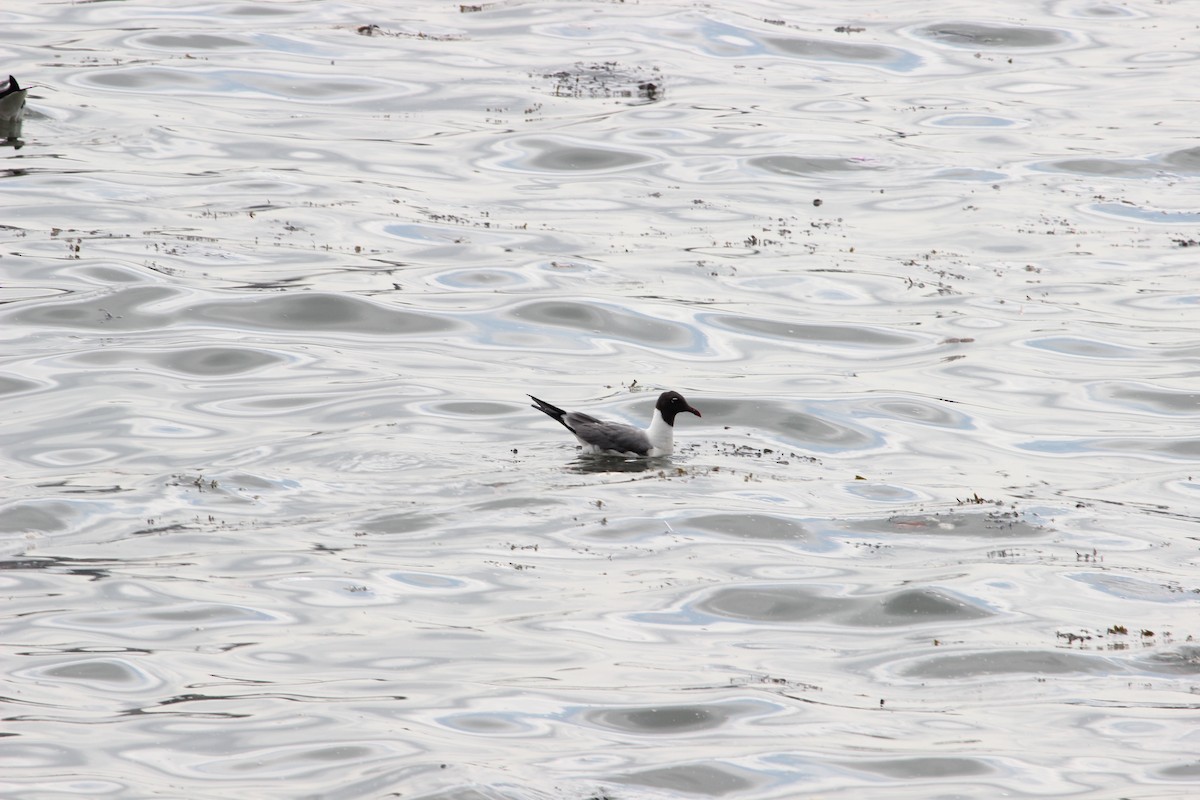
[(277, 521)]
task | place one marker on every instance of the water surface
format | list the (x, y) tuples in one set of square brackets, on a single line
[(276, 519)]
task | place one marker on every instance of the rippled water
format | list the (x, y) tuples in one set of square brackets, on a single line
[(277, 520)]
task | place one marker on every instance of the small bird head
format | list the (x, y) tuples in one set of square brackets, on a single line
[(672, 403)]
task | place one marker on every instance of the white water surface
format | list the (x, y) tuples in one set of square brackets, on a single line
[(277, 521)]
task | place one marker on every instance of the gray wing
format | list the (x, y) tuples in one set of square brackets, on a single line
[(608, 435)]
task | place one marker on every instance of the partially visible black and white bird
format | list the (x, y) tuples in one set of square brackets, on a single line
[(599, 437), (12, 109)]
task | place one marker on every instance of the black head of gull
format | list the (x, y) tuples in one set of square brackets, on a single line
[(600, 437)]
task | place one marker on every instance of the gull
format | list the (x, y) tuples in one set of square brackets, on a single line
[(599, 437), (12, 109)]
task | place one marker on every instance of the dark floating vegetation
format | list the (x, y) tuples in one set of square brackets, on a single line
[(1110, 638), (371, 29), (605, 80)]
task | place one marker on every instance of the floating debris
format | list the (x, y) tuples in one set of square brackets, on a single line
[(607, 79)]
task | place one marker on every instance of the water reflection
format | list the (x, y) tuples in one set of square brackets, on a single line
[(95, 569), (587, 464), (961, 33)]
